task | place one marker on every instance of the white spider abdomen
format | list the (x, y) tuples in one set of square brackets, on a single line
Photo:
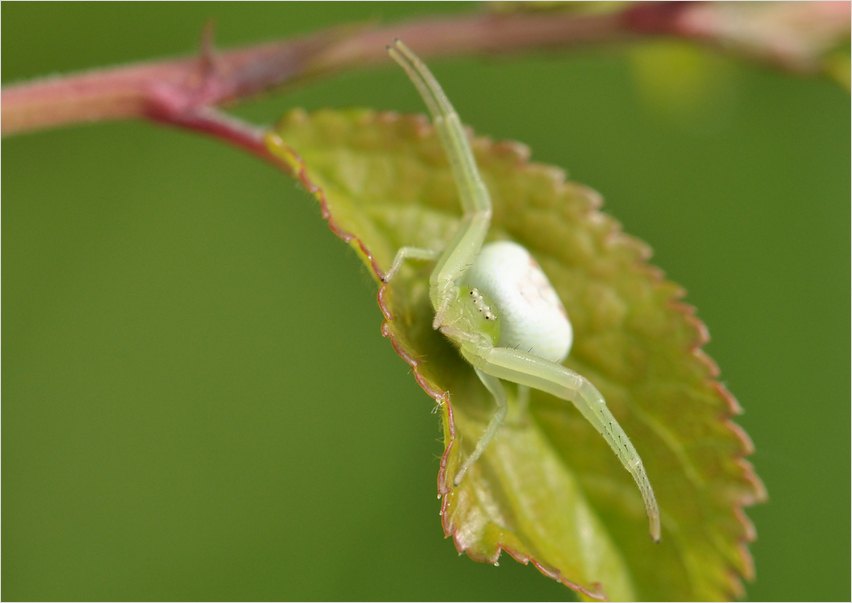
[(532, 317)]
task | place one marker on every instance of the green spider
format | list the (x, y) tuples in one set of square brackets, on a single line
[(496, 304)]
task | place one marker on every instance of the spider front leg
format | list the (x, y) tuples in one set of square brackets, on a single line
[(462, 248), (530, 370)]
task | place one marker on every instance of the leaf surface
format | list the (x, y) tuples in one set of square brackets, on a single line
[(548, 489)]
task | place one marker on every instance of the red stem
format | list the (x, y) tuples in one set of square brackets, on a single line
[(182, 92), (215, 78)]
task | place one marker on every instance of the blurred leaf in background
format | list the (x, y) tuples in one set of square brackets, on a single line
[(691, 86), (198, 403)]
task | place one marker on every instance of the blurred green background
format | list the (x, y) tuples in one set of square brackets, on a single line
[(197, 400)]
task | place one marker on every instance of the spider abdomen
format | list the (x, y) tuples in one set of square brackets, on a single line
[(531, 314)]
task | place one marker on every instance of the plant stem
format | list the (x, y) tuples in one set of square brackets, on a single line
[(181, 92)]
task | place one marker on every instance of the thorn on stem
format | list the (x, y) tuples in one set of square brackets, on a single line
[(206, 44)]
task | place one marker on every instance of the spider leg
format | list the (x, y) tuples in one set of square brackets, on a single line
[(408, 253), (496, 388), (532, 371), (475, 201)]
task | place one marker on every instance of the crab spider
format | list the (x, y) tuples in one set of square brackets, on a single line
[(497, 306)]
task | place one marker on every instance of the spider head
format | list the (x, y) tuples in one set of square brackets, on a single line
[(476, 314)]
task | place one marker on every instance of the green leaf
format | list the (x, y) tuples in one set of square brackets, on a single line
[(548, 489)]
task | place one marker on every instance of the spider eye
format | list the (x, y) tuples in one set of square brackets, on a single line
[(480, 303)]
